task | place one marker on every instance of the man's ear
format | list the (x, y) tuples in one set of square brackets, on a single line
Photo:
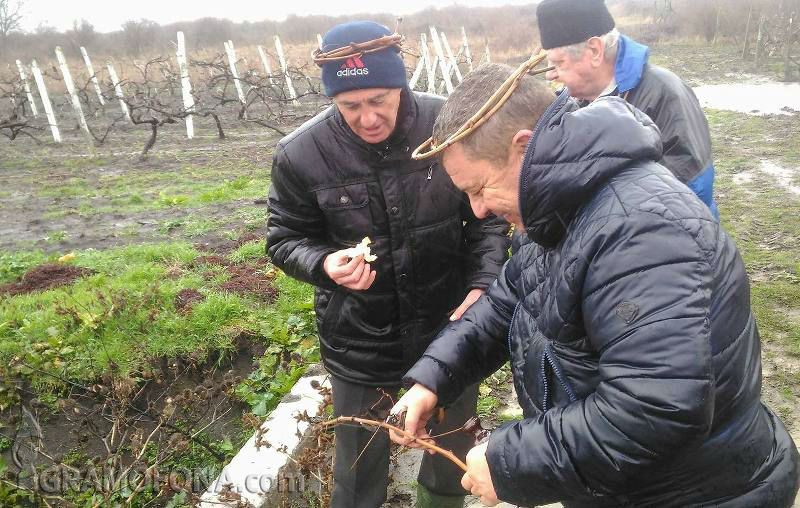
[(520, 142), (596, 50)]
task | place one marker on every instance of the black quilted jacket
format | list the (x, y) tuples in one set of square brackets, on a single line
[(329, 190), (627, 322)]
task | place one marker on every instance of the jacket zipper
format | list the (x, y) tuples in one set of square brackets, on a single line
[(511, 325), (548, 357)]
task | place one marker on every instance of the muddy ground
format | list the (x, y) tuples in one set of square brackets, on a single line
[(58, 198)]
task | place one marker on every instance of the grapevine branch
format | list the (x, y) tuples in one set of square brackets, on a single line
[(389, 427)]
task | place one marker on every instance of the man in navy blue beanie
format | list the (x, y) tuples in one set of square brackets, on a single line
[(343, 176)]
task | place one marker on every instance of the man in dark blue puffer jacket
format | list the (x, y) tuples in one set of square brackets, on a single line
[(627, 319)]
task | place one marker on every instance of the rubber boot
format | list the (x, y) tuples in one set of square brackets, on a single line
[(428, 499)]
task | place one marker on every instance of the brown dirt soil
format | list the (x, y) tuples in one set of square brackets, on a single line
[(43, 277), (247, 237), (209, 260), (250, 279), (223, 247), (187, 298)]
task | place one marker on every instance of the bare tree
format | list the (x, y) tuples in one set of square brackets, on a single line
[(139, 35), (82, 33), (10, 17)]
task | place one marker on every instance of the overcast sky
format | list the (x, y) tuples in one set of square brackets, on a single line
[(108, 15)]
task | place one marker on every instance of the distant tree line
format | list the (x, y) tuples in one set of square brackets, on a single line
[(509, 29), (764, 30), (142, 37), (710, 19)]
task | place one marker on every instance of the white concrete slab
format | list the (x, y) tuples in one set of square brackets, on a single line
[(254, 473)]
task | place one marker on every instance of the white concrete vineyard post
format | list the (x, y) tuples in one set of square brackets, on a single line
[(488, 55), (92, 75), (13, 97), (453, 62), (27, 86), (232, 64), (434, 66), (437, 46), (118, 90), (186, 85), (412, 83), (465, 44), (48, 107), (265, 63), (282, 59), (73, 94), (319, 41), (430, 69)]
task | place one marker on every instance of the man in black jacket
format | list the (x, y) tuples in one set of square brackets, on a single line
[(592, 59), (345, 175), (626, 319)]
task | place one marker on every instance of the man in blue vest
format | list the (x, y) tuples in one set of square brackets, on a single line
[(592, 59)]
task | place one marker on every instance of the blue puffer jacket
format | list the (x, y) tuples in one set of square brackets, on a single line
[(627, 322)]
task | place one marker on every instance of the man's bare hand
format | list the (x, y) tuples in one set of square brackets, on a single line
[(477, 480), (352, 273), (418, 404), (471, 298)]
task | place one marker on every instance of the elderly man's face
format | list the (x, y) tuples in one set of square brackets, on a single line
[(580, 75), (371, 113), (491, 189)]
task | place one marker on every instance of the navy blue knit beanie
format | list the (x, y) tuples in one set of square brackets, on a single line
[(380, 69)]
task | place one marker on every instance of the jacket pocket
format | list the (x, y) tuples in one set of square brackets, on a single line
[(347, 216), (345, 197), (331, 315)]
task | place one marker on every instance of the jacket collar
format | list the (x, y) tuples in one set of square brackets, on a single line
[(631, 59), (572, 153)]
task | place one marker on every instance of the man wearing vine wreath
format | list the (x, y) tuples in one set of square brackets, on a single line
[(626, 318), (346, 177)]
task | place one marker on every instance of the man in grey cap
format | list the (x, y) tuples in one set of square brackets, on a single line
[(347, 174), (592, 59)]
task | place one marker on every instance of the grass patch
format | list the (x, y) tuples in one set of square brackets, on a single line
[(696, 61), (56, 237), (124, 316), (756, 213), (249, 250), (487, 406), (290, 324), (119, 320), (197, 227), (132, 192), (745, 138), (168, 225)]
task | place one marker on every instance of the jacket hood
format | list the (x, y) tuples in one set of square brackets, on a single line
[(572, 153)]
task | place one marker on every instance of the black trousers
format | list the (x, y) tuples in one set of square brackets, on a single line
[(365, 484)]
